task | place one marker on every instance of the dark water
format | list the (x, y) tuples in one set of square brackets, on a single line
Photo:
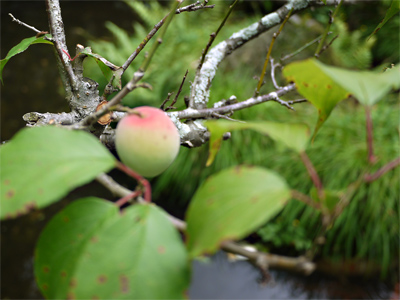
[(31, 83)]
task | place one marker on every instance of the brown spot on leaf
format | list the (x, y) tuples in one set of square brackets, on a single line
[(94, 297), (72, 282), (30, 205), (65, 219), (45, 286), (328, 86), (6, 181), (71, 296), (305, 84), (210, 201), (216, 144), (102, 279), (40, 191), (10, 193), (46, 269), (161, 249), (63, 274), (124, 284), (314, 85), (94, 239), (137, 219), (254, 199)]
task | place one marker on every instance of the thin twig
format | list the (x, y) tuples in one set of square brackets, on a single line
[(273, 67), (386, 168), (176, 97), (24, 24), (280, 101), (188, 8), (193, 7), (114, 187), (274, 36), (265, 260), (214, 35), (162, 106), (313, 174), (157, 43), (214, 114), (207, 112), (328, 27), (324, 48), (286, 57), (179, 90), (291, 102)]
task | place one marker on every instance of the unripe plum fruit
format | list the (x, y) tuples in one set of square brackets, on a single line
[(147, 141)]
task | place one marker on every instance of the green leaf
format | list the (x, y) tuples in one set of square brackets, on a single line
[(324, 1), (393, 9), (231, 204), (316, 86), (91, 251), (367, 86), (21, 47), (108, 69), (293, 136), (42, 164)]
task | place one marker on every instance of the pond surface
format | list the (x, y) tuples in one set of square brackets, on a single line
[(31, 83)]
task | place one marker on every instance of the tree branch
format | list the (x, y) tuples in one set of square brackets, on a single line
[(57, 31), (201, 85)]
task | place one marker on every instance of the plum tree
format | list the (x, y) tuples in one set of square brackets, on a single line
[(147, 141)]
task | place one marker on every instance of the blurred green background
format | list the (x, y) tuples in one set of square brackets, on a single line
[(368, 229)]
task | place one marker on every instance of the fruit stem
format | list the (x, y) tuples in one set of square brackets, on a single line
[(128, 197), (144, 182)]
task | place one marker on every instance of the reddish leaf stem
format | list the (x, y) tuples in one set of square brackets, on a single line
[(313, 174), (128, 197), (70, 59), (144, 182), (386, 168)]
